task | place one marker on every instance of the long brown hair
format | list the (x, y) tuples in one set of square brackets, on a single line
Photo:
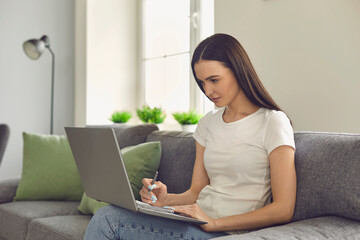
[(227, 50)]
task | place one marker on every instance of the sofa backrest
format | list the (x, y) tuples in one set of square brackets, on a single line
[(177, 159), (328, 175), (327, 168), (129, 135)]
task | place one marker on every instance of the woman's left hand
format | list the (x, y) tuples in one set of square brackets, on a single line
[(194, 211)]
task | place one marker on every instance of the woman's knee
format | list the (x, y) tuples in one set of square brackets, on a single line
[(108, 215), (104, 223), (105, 210)]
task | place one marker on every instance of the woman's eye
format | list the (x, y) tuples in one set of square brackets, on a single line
[(214, 80)]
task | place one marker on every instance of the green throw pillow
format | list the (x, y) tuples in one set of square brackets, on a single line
[(141, 161), (49, 171), (89, 205)]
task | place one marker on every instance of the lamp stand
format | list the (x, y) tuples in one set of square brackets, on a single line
[(52, 92)]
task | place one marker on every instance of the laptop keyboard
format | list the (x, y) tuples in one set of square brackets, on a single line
[(154, 208)]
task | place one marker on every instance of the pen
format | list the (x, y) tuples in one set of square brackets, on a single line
[(153, 181)]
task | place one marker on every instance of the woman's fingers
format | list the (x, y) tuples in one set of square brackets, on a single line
[(146, 191), (154, 194), (191, 210), (185, 209), (144, 194), (146, 181)]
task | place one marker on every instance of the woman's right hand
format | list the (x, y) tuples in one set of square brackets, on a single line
[(157, 196)]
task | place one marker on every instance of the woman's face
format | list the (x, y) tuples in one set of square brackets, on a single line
[(218, 82)]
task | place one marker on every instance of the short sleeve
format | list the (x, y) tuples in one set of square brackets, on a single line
[(278, 132), (201, 132)]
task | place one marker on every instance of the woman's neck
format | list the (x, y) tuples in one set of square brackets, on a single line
[(239, 109)]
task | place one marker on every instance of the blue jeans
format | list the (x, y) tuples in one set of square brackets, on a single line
[(111, 222)]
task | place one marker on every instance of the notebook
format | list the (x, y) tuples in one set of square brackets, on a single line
[(103, 173)]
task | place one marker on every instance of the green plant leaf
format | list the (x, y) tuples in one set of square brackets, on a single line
[(151, 115), (185, 118), (120, 117)]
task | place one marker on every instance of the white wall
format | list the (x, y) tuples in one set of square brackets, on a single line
[(80, 63), (111, 58), (307, 54), (24, 83)]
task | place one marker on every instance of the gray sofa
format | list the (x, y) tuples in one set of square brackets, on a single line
[(328, 194)]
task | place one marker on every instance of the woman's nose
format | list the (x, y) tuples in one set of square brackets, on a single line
[(207, 89)]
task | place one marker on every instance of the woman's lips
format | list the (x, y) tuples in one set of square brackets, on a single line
[(215, 99)]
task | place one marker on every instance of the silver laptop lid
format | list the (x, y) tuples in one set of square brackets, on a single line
[(100, 165)]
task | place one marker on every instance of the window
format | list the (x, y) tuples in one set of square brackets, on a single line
[(171, 30), (167, 54)]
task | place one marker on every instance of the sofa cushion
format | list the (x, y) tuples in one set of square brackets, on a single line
[(49, 171), (327, 168), (55, 176), (15, 216), (177, 159), (89, 205), (58, 228), (329, 227), (141, 161)]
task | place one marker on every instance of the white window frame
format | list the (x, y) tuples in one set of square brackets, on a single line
[(201, 26)]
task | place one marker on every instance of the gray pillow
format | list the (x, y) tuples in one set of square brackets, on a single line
[(177, 159), (327, 168), (130, 135)]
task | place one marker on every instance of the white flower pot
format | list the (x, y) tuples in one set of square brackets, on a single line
[(160, 126), (189, 127)]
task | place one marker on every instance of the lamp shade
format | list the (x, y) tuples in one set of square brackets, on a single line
[(33, 48)]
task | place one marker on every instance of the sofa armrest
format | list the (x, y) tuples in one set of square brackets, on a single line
[(8, 189)]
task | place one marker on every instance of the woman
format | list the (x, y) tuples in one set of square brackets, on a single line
[(244, 173)]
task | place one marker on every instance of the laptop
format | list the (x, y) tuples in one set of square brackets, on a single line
[(103, 173)]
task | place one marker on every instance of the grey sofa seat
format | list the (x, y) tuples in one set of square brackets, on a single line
[(16, 216), (330, 227), (58, 228)]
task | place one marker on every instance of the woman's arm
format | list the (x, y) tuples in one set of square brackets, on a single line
[(283, 184), (199, 180)]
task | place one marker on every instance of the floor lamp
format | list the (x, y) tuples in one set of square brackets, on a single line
[(33, 49)]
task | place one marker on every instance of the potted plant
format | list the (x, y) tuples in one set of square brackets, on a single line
[(151, 115), (187, 120), (120, 117)]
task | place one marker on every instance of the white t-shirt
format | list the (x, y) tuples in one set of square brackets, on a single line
[(236, 159)]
